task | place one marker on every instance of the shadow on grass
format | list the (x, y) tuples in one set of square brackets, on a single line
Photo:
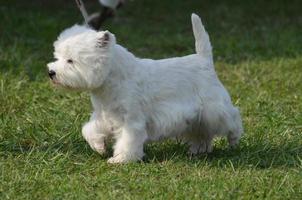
[(260, 155)]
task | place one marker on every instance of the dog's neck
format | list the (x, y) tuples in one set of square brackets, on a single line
[(123, 64)]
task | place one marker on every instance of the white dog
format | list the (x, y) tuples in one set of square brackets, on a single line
[(137, 100)]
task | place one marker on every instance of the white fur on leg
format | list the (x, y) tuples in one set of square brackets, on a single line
[(233, 141), (197, 147), (203, 146), (237, 129), (94, 138), (209, 146), (129, 145)]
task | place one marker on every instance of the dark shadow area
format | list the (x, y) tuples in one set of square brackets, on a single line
[(258, 155)]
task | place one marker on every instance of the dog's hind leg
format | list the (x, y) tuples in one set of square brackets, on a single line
[(236, 130), (199, 143), (197, 147)]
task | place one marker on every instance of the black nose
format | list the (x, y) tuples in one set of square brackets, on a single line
[(51, 74)]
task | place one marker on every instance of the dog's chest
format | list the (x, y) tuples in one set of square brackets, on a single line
[(111, 116), (109, 110)]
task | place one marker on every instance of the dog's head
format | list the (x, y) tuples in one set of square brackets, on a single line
[(83, 58)]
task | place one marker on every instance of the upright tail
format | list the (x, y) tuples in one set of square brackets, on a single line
[(202, 42)]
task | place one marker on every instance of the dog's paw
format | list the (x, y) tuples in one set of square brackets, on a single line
[(202, 147), (123, 158), (117, 159), (99, 147), (233, 141), (95, 141), (197, 148)]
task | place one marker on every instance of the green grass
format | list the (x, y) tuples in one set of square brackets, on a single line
[(257, 50)]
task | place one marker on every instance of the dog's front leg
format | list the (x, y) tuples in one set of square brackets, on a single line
[(93, 135), (129, 144)]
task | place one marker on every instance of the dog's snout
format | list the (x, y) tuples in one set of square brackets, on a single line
[(51, 74)]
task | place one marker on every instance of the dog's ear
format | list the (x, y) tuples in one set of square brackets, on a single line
[(103, 39)]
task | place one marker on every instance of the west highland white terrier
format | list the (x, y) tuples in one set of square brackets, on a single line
[(137, 100)]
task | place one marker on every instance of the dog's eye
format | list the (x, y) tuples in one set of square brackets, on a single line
[(69, 61)]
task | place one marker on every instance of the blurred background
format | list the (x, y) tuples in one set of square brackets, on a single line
[(239, 30)]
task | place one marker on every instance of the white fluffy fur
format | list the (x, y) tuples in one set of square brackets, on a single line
[(137, 100)]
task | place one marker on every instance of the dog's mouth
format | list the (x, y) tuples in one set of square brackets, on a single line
[(55, 82), (58, 84), (53, 79)]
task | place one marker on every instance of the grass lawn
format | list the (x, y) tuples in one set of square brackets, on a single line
[(257, 50)]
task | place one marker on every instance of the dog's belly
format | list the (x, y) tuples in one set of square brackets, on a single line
[(171, 121)]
